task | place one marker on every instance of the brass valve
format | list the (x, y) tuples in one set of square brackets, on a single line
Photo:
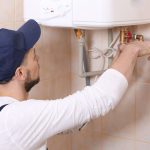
[(126, 36), (79, 33)]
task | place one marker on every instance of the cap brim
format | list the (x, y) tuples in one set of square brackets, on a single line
[(31, 31)]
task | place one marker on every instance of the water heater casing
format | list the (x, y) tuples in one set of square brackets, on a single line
[(88, 13)]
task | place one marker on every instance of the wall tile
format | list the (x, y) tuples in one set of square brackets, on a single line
[(18, 24), (142, 146), (142, 70), (18, 10), (143, 112), (56, 51), (121, 121), (60, 142), (61, 85), (94, 126), (86, 141), (77, 83), (41, 91), (74, 54), (7, 25), (7, 9), (114, 143)]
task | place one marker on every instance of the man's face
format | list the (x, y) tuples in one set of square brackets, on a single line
[(32, 69)]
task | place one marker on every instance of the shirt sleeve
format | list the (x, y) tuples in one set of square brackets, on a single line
[(31, 122)]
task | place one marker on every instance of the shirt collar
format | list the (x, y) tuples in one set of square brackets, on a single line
[(6, 100)]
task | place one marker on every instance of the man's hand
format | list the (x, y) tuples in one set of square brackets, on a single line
[(143, 46), (126, 59)]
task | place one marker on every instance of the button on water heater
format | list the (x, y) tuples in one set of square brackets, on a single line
[(55, 8)]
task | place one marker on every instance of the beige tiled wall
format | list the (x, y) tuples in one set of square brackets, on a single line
[(54, 52), (127, 127)]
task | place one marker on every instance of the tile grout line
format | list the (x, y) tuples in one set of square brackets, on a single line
[(14, 22), (135, 112)]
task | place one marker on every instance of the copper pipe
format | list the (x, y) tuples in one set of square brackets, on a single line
[(122, 36), (79, 33), (125, 36)]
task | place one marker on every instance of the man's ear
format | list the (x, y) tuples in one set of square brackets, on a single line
[(21, 73)]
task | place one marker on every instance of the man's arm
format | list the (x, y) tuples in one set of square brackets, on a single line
[(126, 60), (39, 120)]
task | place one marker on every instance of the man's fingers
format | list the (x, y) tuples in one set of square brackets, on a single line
[(136, 45), (144, 52), (121, 47)]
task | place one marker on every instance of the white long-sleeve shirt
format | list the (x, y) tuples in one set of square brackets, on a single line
[(26, 125)]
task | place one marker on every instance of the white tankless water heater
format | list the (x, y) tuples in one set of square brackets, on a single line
[(88, 13)]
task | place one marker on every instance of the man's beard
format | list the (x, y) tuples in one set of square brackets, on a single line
[(30, 83)]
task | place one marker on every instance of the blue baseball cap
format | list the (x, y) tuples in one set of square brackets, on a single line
[(14, 45)]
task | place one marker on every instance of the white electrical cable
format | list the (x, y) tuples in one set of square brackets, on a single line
[(107, 53), (100, 54), (110, 52), (112, 44)]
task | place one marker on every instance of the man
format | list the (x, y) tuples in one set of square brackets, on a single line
[(27, 124)]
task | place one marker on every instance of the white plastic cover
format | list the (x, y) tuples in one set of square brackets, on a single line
[(88, 13), (54, 8)]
